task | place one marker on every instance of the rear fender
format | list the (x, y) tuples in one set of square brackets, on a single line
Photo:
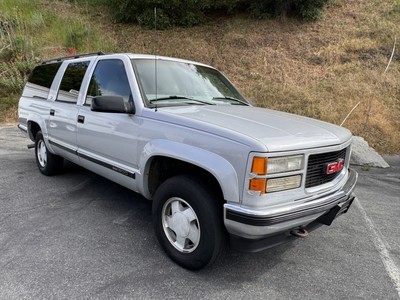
[(37, 118)]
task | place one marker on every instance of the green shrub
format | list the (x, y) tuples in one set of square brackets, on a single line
[(77, 36), (268, 9), (192, 12), (308, 10), (13, 76), (169, 13), (15, 43)]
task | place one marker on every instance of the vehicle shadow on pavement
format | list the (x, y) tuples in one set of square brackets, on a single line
[(129, 210)]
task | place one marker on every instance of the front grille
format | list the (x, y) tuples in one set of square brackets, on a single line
[(315, 168)]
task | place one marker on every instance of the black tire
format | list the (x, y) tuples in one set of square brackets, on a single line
[(187, 196), (47, 162)]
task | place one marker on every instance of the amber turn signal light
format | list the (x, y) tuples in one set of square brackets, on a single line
[(259, 165), (258, 184)]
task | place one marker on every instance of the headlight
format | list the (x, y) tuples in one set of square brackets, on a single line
[(284, 164), (262, 167)]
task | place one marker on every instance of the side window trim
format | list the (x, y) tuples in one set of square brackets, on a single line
[(86, 81)]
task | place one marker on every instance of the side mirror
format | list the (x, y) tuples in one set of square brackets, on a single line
[(111, 104)]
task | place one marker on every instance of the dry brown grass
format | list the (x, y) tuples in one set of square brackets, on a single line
[(10, 116), (320, 69)]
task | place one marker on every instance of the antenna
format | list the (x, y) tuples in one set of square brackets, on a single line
[(155, 54)]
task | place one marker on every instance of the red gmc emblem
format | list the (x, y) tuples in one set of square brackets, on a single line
[(334, 167)]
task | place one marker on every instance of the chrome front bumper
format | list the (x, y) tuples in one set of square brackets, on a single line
[(255, 226)]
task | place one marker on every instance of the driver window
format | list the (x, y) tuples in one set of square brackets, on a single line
[(109, 79)]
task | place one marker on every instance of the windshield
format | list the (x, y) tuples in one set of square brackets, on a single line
[(180, 83)]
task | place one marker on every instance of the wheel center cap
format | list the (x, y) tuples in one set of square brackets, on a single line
[(181, 224)]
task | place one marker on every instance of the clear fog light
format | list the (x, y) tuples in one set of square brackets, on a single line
[(283, 183)]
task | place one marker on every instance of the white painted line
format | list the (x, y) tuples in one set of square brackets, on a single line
[(391, 268)]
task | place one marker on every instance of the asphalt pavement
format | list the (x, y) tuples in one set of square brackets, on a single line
[(79, 236)]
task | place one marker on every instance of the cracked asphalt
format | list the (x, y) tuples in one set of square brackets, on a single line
[(80, 236)]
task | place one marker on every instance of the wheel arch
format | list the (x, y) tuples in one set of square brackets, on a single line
[(163, 159), (33, 129), (36, 123)]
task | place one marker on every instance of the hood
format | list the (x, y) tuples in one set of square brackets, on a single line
[(277, 131)]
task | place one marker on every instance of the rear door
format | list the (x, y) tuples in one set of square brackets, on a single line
[(64, 110)]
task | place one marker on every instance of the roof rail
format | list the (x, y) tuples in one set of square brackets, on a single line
[(73, 56)]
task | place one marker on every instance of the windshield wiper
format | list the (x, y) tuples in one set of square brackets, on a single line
[(232, 99), (180, 97)]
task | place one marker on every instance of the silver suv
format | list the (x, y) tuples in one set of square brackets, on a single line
[(180, 134)]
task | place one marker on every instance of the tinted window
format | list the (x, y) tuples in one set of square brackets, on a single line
[(40, 80), (43, 75), (109, 79), (71, 82)]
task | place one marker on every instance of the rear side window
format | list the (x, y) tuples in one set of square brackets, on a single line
[(40, 80), (71, 82)]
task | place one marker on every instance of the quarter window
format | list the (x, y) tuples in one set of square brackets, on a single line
[(109, 79), (71, 82), (40, 80)]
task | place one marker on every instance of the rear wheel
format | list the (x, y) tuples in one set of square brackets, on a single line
[(188, 221), (47, 162)]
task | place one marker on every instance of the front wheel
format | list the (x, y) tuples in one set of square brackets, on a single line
[(47, 162), (188, 221)]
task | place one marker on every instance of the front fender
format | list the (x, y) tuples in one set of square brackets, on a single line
[(218, 166)]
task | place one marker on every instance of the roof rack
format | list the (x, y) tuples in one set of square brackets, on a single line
[(73, 56)]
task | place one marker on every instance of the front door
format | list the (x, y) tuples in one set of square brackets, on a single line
[(108, 141)]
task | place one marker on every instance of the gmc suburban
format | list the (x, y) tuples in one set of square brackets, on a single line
[(216, 168)]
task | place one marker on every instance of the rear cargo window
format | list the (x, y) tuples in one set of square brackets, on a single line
[(40, 80), (71, 82)]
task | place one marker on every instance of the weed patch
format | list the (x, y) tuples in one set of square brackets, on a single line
[(320, 69), (77, 36)]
